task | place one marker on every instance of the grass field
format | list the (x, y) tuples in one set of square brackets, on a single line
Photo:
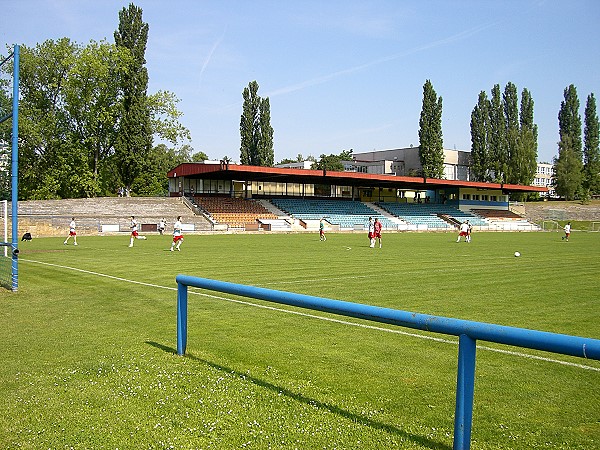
[(89, 341)]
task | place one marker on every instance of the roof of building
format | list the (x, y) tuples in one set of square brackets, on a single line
[(225, 171)]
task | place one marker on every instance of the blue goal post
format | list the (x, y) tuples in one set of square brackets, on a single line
[(468, 333), (14, 115)]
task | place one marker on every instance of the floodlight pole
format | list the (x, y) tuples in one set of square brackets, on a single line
[(15, 171)]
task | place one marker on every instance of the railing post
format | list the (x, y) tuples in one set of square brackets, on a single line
[(182, 297), (465, 387)]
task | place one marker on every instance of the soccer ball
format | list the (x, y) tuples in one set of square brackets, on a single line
[(517, 254)]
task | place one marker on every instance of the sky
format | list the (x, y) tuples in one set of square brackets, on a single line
[(345, 74)]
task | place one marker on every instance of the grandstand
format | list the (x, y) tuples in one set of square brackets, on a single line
[(105, 214), (432, 216), (347, 214), (235, 212)]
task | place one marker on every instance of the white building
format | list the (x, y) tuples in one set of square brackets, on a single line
[(543, 177), (406, 162)]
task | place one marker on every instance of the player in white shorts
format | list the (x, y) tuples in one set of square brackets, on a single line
[(72, 232), (134, 231), (177, 235)]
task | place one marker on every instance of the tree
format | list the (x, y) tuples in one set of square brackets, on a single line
[(93, 103), (431, 145), (134, 139), (567, 169), (480, 134), (256, 133), (332, 162), (199, 157), (568, 165), (510, 103), (591, 148), (497, 140), (523, 161)]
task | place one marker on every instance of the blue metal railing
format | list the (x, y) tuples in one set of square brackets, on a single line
[(467, 331)]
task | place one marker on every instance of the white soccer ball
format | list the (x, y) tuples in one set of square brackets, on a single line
[(517, 254)]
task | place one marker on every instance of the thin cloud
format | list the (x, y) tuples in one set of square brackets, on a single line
[(209, 57), (325, 78)]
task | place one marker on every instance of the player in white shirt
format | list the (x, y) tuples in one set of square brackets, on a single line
[(134, 231), (371, 233), (72, 232), (177, 235), (464, 231), (567, 231)]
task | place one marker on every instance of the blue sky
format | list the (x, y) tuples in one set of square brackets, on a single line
[(341, 74)]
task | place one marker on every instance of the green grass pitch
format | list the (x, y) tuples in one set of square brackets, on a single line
[(89, 339)]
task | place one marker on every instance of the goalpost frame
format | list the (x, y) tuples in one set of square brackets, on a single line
[(14, 114)]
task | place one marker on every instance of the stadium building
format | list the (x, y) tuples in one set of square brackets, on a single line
[(347, 199)]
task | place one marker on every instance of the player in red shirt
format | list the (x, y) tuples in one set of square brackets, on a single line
[(377, 230)]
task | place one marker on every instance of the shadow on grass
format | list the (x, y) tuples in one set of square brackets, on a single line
[(425, 442)]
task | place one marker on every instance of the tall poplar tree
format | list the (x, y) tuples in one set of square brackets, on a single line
[(134, 139), (480, 146), (510, 103), (256, 133), (591, 149), (568, 165), (498, 152), (431, 145), (524, 159)]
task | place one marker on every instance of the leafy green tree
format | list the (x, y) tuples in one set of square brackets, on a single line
[(134, 138), (199, 157), (165, 118), (567, 169), (569, 119), (510, 103), (153, 180), (49, 161), (523, 161), (256, 133), (568, 166), (480, 134), (93, 103), (591, 148), (267, 155), (497, 139), (329, 162), (431, 145)]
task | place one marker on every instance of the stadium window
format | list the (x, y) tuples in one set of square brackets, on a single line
[(475, 196)]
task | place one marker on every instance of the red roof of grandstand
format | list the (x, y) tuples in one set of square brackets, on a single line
[(240, 172)]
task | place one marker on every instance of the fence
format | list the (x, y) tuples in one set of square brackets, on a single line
[(467, 331)]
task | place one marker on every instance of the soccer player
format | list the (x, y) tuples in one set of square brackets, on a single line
[(371, 233), (177, 235), (72, 232), (469, 231), (567, 231), (322, 231), (464, 231), (134, 231), (377, 231)]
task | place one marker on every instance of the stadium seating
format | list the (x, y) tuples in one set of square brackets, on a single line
[(431, 214), (233, 211), (345, 213)]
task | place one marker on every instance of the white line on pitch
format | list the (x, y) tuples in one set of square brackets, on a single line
[(329, 319)]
